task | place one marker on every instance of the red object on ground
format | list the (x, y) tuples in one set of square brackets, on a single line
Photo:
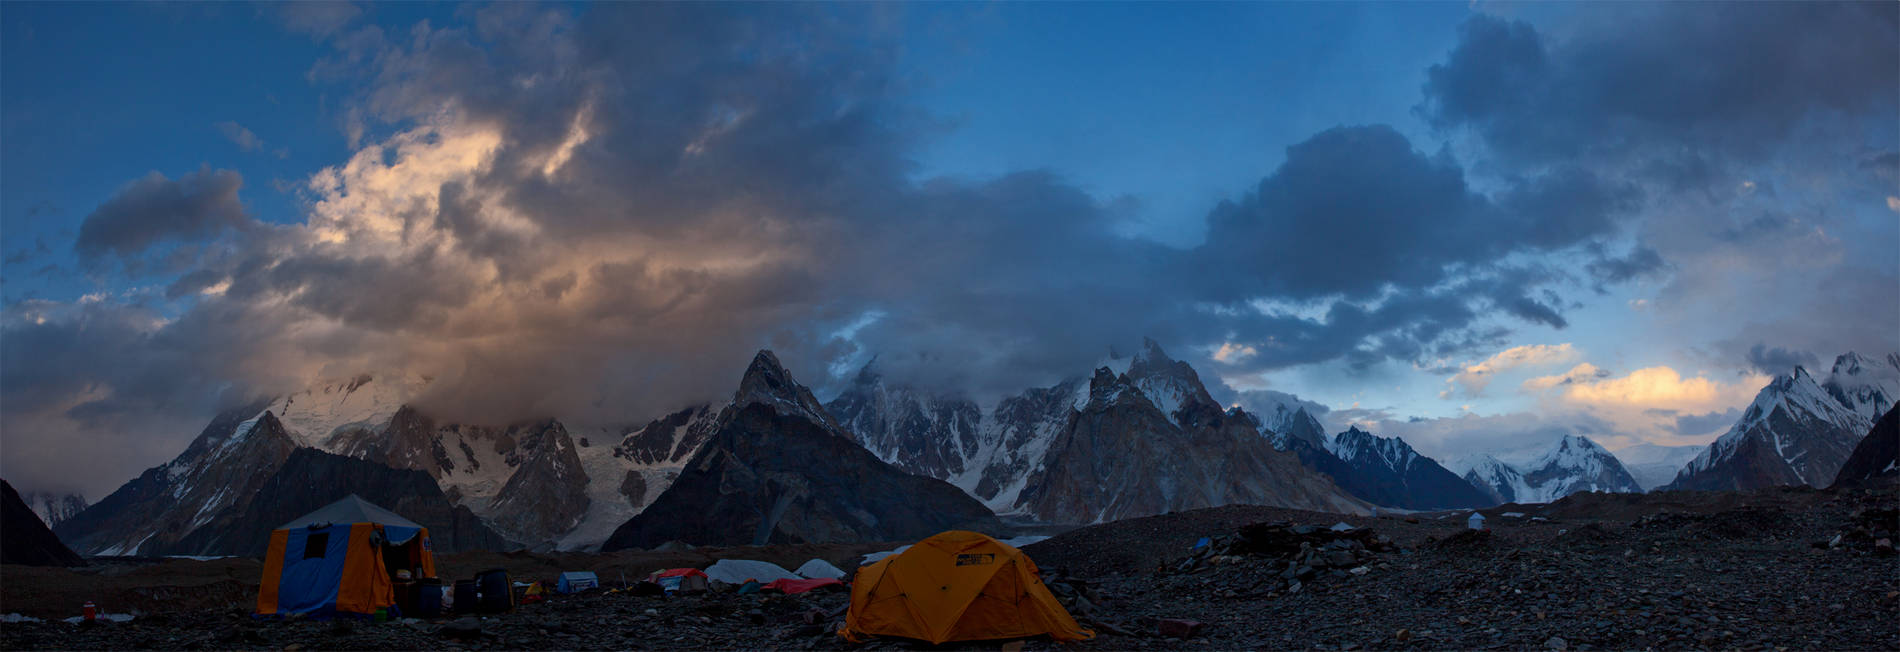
[(801, 586), (89, 610), (679, 572)]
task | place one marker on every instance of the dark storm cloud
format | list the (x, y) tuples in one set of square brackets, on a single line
[(156, 209), (1355, 209), (192, 283), (1653, 77), (1723, 120), (1775, 361), (1640, 261)]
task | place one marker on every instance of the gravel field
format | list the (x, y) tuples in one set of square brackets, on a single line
[(1671, 571)]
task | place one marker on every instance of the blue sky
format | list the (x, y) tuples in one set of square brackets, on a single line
[(1476, 226)]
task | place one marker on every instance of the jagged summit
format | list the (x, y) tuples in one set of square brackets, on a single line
[(1151, 352), (778, 469), (1382, 470), (1172, 386), (1573, 464), (1864, 385), (1798, 430), (1571, 445), (766, 382)]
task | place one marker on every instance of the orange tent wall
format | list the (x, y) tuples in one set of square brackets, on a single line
[(957, 586), (365, 585)]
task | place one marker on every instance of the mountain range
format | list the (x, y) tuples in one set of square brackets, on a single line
[(1380, 470), (1136, 436)]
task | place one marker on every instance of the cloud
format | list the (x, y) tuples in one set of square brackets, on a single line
[(240, 136), (1658, 387), (1359, 208), (1704, 424), (1617, 83), (1230, 352), (1474, 378), (1753, 165), (155, 209), (319, 18), (1266, 402), (1639, 262), (1581, 373), (1773, 361)]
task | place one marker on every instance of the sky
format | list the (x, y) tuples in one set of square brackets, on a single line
[(1478, 226)]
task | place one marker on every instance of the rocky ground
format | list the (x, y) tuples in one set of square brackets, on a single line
[(1790, 569)]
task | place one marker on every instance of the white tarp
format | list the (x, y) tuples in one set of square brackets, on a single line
[(737, 571), (873, 557), (819, 569)]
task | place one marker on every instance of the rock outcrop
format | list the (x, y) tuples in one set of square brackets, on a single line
[(28, 541), (219, 473), (1876, 459), (1122, 456), (1385, 471), (310, 479)]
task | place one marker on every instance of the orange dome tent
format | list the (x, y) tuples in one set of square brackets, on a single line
[(956, 586)]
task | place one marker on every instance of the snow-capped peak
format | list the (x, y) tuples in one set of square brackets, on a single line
[(1798, 391), (1573, 464), (1574, 452), (1865, 386), (1169, 384), (1151, 352), (1391, 451), (315, 416)]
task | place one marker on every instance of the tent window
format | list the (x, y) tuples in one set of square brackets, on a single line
[(314, 545)]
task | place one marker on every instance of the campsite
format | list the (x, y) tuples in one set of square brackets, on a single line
[(1669, 571)]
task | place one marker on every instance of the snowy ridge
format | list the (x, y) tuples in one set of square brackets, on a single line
[(1575, 464), (1577, 453), (1654, 466), (315, 416), (1501, 481), (988, 451), (1392, 452), (1797, 392), (1169, 384), (1865, 386)]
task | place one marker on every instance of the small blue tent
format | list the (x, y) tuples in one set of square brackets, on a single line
[(574, 581)]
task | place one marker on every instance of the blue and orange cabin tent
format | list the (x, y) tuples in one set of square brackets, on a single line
[(340, 559)]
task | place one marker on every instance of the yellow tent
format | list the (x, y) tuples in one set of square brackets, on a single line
[(956, 586)]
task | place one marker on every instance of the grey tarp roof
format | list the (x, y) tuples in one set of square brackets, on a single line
[(351, 509)]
